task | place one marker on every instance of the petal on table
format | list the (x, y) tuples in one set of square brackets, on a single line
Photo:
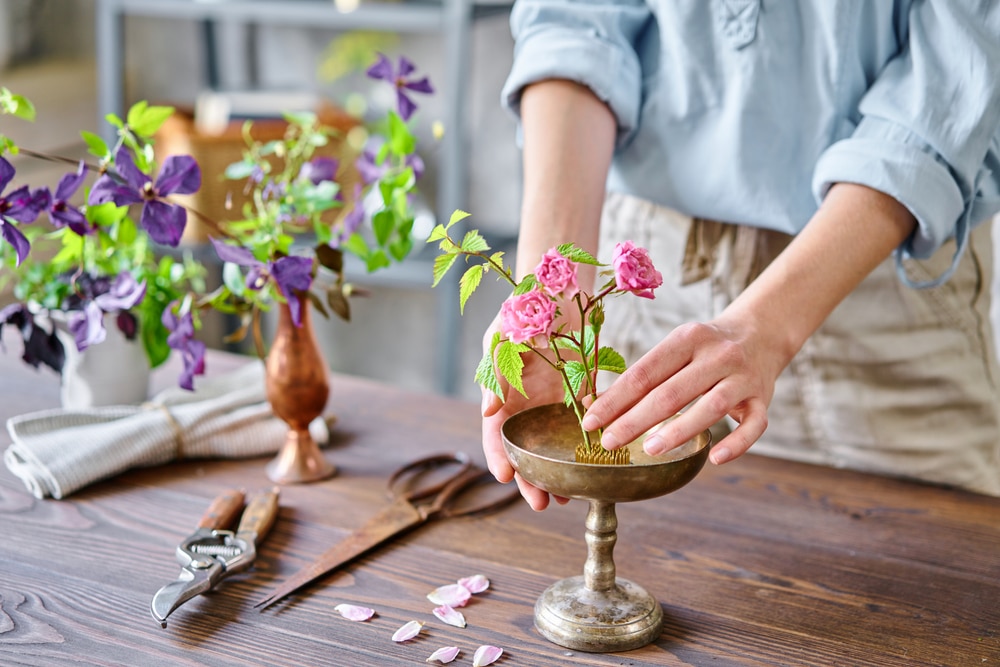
[(353, 612), (486, 655), (443, 655), (453, 595), (477, 583), (448, 615), (407, 632)]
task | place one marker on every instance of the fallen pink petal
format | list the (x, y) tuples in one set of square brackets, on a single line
[(407, 632), (354, 613), (453, 595), (448, 615), (486, 655), (474, 584), (443, 655)]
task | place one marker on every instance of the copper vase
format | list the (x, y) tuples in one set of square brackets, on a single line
[(297, 382)]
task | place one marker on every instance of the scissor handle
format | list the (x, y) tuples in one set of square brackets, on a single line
[(260, 514), (474, 476), (425, 464), (223, 510)]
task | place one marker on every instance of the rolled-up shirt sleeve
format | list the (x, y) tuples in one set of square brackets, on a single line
[(590, 42), (929, 133)]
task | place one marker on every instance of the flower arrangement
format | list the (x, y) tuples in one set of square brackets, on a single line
[(106, 256), (548, 315)]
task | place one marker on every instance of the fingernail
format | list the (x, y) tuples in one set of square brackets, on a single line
[(720, 455), (609, 441), (653, 446)]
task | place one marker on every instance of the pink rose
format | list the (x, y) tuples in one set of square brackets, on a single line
[(557, 275), (525, 316), (634, 271)]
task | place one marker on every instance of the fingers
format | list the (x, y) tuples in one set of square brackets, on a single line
[(496, 458), (537, 499)]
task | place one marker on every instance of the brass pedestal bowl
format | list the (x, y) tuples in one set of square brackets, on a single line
[(596, 612)]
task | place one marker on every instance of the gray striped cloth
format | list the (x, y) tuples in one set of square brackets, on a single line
[(55, 452)]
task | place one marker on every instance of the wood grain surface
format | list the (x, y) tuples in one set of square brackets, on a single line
[(759, 562)]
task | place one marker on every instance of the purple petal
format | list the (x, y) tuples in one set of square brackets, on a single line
[(367, 169), (486, 655), (126, 168), (404, 105), (87, 326), (193, 356), (180, 175), (256, 278), (123, 295), (416, 163), (293, 276), (234, 254), (164, 222), (320, 169), (24, 206), (14, 237), (106, 189), (70, 183), (406, 66), (7, 172), (420, 86), (475, 584), (354, 613), (68, 216), (381, 69), (446, 614)]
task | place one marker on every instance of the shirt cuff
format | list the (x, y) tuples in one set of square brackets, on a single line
[(889, 158), (586, 58)]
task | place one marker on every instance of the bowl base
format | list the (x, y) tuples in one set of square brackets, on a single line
[(621, 619)]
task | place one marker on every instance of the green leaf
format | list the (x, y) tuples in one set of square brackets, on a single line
[(145, 120), (468, 283), (474, 242), (576, 373), (609, 360), (457, 216), (115, 121), (237, 171), (400, 248), (527, 284), (437, 234), (486, 372), (511, 365), (377, 260), (441, 265), (356, 245), (573, 253), (232, 278), (301, 118), (401, 140), (95, 145), (16, 105), (383, 224)]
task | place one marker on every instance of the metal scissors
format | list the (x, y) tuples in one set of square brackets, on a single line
[(212, 553), (418, 495)]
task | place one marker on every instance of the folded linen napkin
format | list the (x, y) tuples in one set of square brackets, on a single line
[(56, 452)]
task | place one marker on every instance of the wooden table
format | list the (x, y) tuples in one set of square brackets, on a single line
[(759, 562)]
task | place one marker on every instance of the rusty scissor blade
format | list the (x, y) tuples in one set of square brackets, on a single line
[(400, 516)]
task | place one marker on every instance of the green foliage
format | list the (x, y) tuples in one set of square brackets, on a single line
[(510, 364), (469, 282), (486, 371)]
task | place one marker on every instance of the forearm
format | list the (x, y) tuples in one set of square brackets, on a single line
[(569, 137), (853, 232)]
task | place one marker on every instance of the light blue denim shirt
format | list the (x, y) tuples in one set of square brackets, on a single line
[(747, 112)]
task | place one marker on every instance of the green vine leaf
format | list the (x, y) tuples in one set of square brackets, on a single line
[(441, 265), (468, 283), (486, 371), (457, 216), (474, 242), (576, 254), (608, 359), (576, 373), (527, 284), (511, 365)]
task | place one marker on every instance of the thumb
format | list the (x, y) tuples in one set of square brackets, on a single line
[(491, 403)]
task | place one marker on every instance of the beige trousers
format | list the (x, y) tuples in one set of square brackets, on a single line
[(897, 381)]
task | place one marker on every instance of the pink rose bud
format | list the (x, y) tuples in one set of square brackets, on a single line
[(557, 275), (477, 583), (486, 655), (634, 271), (527, 317), (453, 595)]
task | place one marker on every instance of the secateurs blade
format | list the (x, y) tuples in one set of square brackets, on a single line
[(212, 552)]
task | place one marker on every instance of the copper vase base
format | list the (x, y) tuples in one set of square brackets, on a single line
[(299, 461), (623, 618)]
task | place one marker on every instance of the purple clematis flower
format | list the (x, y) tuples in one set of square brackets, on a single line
[(352, 219), (60, 210), (320, 169), (370, 171), (398, 77), (182, 339), (163, 221), (22, 206), (292, 274), (87, 323)]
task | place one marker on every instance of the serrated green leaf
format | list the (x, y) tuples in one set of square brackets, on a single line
[(510, 364), (486, 371), (576, 254), (146, 120), (441, 265), (474, 242), (457, 216), (527, 284), (437, 234), (608, 359), (589, 340), (576, 374), (468, 283)]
